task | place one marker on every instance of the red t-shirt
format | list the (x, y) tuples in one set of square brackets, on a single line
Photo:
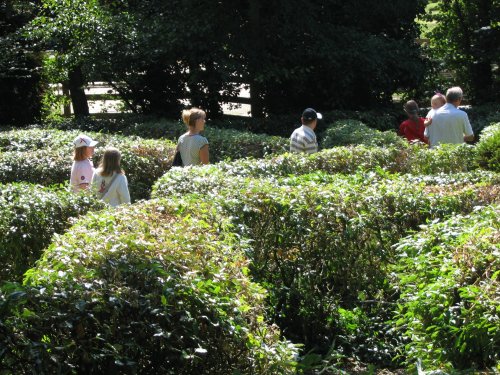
[(413, 130)]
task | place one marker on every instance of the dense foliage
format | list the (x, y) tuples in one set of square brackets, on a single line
[(488, 148), (349, 132), (164, 293), (20, 78), (321, 243), (181, 50), (325, 234), (29, 216), (448, 279), (45, 157), (464, 38), (224, 143)]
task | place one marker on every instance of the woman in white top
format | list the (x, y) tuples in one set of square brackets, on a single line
[(109, 180), (193, 147), (82, 168)]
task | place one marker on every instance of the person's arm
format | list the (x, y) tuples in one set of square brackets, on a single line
[(428, 122), (204, 157)]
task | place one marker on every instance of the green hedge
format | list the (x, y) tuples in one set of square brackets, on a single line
[(448, 279), (29, 216), (321, 244), (354, 132), (224, 143), (45, 157), (488, 148), (410, 159), (143, 289)]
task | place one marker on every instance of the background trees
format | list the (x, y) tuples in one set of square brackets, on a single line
[(466, 40), (20, 86), (291, 54)]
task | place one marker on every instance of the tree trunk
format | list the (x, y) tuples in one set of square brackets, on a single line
[(66, 94), (76, 85)]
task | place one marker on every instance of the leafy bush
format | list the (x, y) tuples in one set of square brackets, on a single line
[(224, 143), (45, 157), (321, 244), (488, 148), (29, 216), (482, 116), (143, 289), (353, 132), (447, 277), (410, 159)]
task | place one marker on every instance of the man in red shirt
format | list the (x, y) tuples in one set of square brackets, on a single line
[(413, 128)]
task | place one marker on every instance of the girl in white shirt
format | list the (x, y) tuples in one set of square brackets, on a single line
[(109, 180)]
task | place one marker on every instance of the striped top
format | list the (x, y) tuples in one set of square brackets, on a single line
[(303, 139)]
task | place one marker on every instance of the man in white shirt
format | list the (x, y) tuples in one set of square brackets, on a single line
[(450, 124), (303, 139)]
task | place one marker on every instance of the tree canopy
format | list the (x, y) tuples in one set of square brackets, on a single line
[(290, 54)]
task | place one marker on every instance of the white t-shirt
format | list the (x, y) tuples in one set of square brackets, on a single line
[(81, 173), (117, 192), (431, 113), (189, 147), (449, 125)]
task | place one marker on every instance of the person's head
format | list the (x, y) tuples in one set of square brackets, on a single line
[(110, 162), (310, 117), (84, 147), (194, 118), (454, 95), (411, 108), (437, 101)]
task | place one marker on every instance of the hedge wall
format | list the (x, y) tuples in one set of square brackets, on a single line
[(45, 157), (142, 289), (448, 281), (29, 216), (224, 143), (321, 243)]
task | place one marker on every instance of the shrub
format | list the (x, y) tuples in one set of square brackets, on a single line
[(488, 148), (321, 244), (223, 143), (411, 159), (29, 216), (447, 277), (45, 157), (353, 132), (143, 289)]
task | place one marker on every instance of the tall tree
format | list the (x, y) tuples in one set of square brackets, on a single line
[(466, 39)]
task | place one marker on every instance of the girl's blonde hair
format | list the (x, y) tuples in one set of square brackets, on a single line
[(110, 162), (80, 153), (189, 116)]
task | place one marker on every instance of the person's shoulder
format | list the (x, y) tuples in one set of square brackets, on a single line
[(182, 136), (201, 139)]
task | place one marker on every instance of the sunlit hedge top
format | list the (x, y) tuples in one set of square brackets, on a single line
[(45, 157), (224, 143), (409, 159), (29, 216), (169, 292)]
